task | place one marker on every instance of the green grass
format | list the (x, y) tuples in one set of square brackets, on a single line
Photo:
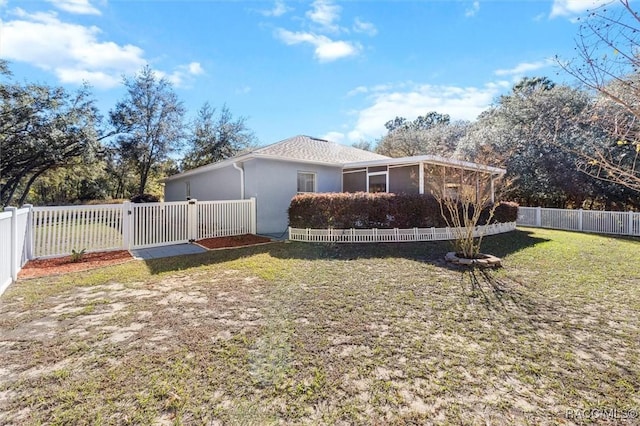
[(326, 334), (108, 236)]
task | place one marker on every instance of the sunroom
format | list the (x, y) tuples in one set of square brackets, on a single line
[(424, 174)]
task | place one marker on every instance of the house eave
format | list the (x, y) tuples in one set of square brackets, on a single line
[(431, 159), (248, 157), (209, 167)]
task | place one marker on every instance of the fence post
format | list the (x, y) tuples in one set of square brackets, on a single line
[(631, 224), (192, 220), (538, 216), (127, 232), (28, 244), (14, 242), (580, 220), (253, 215)]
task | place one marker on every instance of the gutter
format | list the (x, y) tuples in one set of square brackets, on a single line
[(241, 170)]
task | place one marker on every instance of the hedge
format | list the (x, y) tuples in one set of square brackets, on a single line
[(380, 210)]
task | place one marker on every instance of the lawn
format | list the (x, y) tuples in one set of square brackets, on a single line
[(332, 334)]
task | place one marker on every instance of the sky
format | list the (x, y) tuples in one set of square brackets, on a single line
[(332, 69)]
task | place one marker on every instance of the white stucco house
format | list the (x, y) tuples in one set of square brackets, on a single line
[(275, 173)]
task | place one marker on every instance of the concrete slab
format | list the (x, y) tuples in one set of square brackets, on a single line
[(166, 251)]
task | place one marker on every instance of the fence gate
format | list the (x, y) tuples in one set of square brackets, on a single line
[(159, 224), (56, 231)]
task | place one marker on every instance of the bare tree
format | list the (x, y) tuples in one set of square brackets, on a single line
[(465, 199), (608, 62)]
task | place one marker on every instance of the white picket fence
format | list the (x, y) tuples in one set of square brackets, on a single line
[(390, 235), (39, 232), (601, 222)]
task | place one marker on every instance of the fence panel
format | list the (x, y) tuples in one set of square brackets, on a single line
[(527, 216), (602, 222), (59, 230), (225, 218), (389, 235), (6, 248), (160, 224), (14, 244)]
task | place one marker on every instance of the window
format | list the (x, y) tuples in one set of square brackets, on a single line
[(378, 182), (306, 182)]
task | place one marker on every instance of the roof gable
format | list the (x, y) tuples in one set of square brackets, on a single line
[(312, 149)]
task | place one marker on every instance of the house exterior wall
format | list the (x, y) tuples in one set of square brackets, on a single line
[(273, 183), (219, 184)]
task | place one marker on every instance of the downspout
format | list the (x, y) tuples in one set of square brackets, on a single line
[(241, 170), (493, 195)]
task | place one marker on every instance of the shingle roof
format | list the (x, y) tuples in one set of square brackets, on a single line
[(312, 149), (300, 148)]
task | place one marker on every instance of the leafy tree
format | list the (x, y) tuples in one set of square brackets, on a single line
[(608, 62), (41, 128), (215, 138), (433, 134), (151, 122), (363, 145), (537, 133)]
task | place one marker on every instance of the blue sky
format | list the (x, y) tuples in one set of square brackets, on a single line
[(324, 68)]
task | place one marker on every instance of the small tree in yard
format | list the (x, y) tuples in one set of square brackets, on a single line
[(465, 202)]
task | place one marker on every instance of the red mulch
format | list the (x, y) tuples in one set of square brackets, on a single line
[(236, 241), (61, 265)]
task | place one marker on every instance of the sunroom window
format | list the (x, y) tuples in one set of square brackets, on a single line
[(378, 182)]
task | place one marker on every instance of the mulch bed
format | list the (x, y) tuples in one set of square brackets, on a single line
[(62, 265), (235, 241)]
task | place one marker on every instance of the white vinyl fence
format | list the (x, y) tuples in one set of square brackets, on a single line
[(14, 235), (390, 235), (33, 232), (602, 222)]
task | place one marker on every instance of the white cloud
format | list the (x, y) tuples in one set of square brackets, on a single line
[(182, 74), (326, 50), (364, 27), (80, 7), (71, 51), (195, 68), (358, 90), (279, 9), (473, 9), (410, 100), (574, 7), (324, 13), (334, 137), (243, 90), (524, 67), (319, 21)]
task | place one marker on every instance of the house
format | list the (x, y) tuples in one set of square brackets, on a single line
[(275, 173)]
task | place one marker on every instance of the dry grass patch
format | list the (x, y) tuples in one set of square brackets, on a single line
[(295, 333)]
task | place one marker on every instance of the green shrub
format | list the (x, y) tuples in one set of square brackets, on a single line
[(362, 210)]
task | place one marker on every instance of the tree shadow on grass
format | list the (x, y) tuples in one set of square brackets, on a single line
[(431, 251)]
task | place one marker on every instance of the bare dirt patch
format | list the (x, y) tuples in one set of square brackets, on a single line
[(318, 334), (62, 265), (235, 241)]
